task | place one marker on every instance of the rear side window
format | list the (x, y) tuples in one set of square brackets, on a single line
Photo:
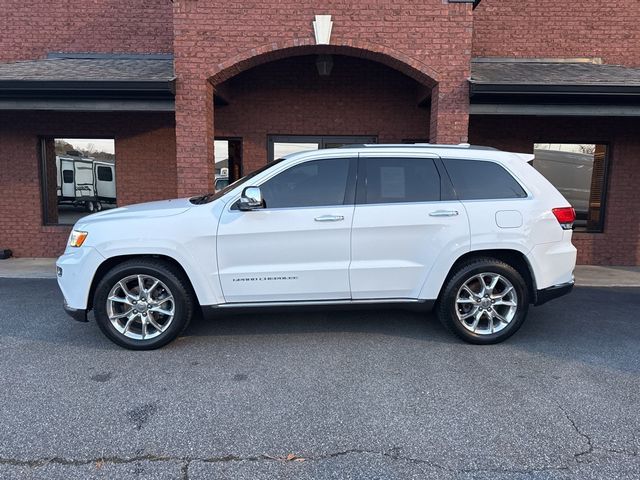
[(478, 180), (401, 180)]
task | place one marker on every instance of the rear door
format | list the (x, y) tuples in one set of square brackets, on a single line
[(405, 219)]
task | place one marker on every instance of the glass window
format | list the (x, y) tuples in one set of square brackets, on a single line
[(578, 171), (78, 177), (281, 149), (309, 184), (392, 180), (105, 174), (282, 145), (477, 180)]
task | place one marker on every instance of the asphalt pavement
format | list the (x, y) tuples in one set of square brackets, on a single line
[(372, 394)]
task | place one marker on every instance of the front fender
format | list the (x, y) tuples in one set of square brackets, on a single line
[(201, 270)]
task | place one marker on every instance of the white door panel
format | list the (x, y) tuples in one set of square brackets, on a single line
[(68, 188), (285, 254), (394, 246)]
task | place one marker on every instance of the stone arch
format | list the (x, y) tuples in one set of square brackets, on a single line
[(411, 67)]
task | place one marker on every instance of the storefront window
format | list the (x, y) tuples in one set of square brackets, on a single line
[(281, 145), (579, 172), (78, 178)]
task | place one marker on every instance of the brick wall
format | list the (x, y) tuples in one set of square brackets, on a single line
[(619, 244), (432, 37), (288, 97), (31, 28), (145, 169), (549, 28)]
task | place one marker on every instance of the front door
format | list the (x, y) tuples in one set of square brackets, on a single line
[(297, 247), (402, 224)]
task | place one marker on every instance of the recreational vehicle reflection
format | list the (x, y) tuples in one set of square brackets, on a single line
[(85, 181)]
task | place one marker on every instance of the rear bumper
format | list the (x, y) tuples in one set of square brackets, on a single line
[(76, 313), (546, 294)]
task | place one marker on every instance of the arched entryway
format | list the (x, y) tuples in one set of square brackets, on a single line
[(315, 101), (300, 90)]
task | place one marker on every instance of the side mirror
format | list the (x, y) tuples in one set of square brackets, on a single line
[(251, 199)]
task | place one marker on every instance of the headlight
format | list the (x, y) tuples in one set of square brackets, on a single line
[(77, 238)]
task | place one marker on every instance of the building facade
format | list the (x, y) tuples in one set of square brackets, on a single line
[(175, 84)]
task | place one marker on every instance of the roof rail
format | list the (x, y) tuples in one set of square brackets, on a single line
[(465, 146)]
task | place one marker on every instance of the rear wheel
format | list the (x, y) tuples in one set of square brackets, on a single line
[(143, 304), (485, 301)]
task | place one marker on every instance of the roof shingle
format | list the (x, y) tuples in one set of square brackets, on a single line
[(506, 72), (89, 69)]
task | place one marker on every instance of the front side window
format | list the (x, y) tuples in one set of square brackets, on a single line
[(578, 171), (310, 184), (482, 180), (401, 180)]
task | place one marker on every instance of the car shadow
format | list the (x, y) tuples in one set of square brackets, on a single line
[(593, 325), (389, 321)]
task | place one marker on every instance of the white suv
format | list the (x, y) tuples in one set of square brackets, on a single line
[(474, 231)]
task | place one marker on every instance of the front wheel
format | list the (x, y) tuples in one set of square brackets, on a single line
[(485, 301), (143, 304)]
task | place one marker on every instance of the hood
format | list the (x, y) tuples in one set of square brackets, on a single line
[(162, 208)]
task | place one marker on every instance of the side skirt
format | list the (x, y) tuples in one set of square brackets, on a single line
[(212, 311)]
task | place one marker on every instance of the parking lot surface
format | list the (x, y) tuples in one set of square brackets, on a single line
[(371, 394)]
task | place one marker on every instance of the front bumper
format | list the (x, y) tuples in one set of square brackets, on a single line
[(546, 294), (76, 313), (75, 270)]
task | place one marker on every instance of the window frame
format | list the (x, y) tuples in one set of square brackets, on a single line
[(605, 178), (42, 172)]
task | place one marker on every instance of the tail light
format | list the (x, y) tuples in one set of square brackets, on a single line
[(565, 216)]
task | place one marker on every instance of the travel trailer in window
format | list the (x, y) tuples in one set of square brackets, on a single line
[(85, 181)]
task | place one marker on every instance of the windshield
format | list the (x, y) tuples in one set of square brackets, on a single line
[(210, 197)]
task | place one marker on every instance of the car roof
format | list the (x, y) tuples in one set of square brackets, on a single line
[(461, 151)]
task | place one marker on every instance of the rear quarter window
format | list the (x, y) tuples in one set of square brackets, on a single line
[(480, 180)]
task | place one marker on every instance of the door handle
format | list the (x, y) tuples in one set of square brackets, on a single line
[(443, 213), (329, 218)]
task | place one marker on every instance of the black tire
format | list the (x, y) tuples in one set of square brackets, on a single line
[(98, 207), (447, 309), (175, 281), (90, 207)]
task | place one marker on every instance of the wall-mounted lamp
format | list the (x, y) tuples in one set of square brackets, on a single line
[(324, 64)]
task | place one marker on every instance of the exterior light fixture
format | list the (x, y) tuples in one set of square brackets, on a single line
[(324, 64)]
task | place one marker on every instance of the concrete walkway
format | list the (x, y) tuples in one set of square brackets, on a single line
[(586, 275)]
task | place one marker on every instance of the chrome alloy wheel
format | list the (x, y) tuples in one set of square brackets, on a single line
[(486, 303), (140, 307)]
